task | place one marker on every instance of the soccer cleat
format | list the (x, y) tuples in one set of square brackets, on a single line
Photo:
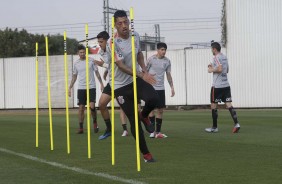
[(105, 135), (236, 128), (211, 130), (148, 158), (96, 128), (160, 135), (125, 133), (80, 131), (152, 135), (147, 123)]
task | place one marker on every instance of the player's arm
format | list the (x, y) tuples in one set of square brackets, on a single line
[(105, 74), (101, 63), (145, 76), (141, 62), (212, 69), (169, 79), (128, 70), (74, 77), (100, 79)]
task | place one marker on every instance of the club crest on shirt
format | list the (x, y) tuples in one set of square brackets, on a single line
[(120, 99), (119, 40)]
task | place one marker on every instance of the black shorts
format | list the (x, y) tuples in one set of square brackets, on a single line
[(161, 94), (107, 90), (82, 96), (145, 92), (220, 95)]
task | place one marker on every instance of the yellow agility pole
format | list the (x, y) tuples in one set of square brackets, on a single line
[(36, 94), (87, 92), (113, 92), (66, 88), (135, 89), (49, 93)]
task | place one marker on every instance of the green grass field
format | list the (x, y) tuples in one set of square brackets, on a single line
[(188, 155)]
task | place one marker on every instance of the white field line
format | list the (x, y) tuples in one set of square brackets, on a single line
[(75, 169)]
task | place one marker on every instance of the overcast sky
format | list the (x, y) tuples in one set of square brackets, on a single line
[(181, 21)]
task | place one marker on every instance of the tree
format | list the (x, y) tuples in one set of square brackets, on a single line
[(15, 43)]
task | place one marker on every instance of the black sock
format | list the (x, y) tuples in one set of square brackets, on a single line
[(124, 127), (153, 119), (214, 118), (94, 115), (233, 114), (81, 125), (159, 124), (108, 125)]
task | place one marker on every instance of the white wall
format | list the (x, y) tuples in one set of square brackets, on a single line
[(19, 82), (254, 49), (57, 81)]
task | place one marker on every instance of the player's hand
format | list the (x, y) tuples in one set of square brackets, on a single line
[(99, 63), (219, 68), (149, 78), (172, 92), (69, 92), (210, 68), (105, 74)]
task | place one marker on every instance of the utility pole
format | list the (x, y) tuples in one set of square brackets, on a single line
[(107, 11), (106, 15), (157, 33)]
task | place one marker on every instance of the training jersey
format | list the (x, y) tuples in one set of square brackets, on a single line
[(106, 56), (158, 67), (123, 52), (220, 80), (80, 70)]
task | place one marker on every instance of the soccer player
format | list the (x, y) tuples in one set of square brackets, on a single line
[(80, 70), (159, 64), (220, 91), (124, 81), (105, 61)]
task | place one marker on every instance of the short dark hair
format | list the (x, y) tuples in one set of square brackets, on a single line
[(104, 34), (119, 13), (81, 47), (161, 45), (216, 45)]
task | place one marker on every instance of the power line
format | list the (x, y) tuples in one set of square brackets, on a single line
[(54, 25), (183, 22), (179, 19), (203, 28)]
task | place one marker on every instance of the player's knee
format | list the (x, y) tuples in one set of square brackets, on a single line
[(213, 106), (102, 104), (81, 108), (228, 105), (160, 111)]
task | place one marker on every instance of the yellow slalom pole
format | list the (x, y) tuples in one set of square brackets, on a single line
[(66, 88), (113, 92), (49, 93), (87, 92), (135, 89), (36, 94)]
